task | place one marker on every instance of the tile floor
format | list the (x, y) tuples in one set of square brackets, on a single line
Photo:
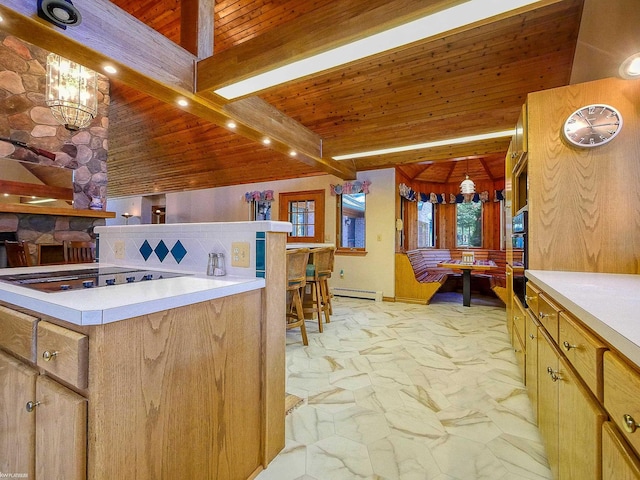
[(398, 391)]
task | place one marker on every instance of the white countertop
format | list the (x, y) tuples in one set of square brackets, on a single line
[(607, 303), (95, 306)]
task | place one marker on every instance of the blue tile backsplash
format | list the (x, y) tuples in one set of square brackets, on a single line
[(178, 252)]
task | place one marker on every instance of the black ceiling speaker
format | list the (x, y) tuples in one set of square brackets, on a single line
[(61, 13)]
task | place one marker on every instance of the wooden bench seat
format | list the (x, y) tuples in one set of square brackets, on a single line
[(418, 277)]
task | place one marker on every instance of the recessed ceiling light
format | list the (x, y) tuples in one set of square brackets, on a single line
[(266, 141), (419, 146), (630, 68), (231, 124), (293, 153), (110, 69), (182, 102), (446, 20)]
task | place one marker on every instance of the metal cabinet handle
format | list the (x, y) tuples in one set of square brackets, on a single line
[(532, 336), (528, 298), (567, 346), (629, 423), (555, 375), (543, 315), (31, 405), (48, 356)]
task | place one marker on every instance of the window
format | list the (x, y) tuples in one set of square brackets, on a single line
[(426, 225), (305, 210), (469, 224), (351, 225)]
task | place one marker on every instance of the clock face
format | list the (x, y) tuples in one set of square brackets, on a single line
[(592, 126)]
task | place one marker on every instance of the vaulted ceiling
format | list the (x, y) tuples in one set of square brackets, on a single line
[(468, 82)]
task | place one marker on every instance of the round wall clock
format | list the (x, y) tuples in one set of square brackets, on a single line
[(592, 125)]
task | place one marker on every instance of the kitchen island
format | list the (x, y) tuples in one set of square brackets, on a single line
[(174, 378)]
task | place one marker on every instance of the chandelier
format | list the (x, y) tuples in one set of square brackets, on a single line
[(71, 92)]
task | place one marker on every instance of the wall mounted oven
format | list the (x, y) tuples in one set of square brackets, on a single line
[(519, 242)]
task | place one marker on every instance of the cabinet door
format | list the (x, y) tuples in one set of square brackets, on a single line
[(531, 363), (17, 426), (61, 426), (619, 462), (548, 376), (580, 420)]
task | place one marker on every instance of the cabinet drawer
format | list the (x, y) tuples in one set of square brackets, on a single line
[(621, 394), (63, 353), (532, 298), (18, 333), (548, 314), (584, 351)]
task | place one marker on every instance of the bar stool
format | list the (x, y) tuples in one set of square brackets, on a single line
[(297, 260), (318, 272)]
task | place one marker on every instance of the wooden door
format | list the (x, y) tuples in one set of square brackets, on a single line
[(548, 399), (17, 426), (61, 426), (531, 363), (580, 420), (619, 461)]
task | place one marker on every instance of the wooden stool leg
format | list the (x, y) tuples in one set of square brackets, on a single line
[(298, 305), (326, 300)]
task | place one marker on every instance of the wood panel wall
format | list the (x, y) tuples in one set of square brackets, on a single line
[(446, 215), (584, 204)]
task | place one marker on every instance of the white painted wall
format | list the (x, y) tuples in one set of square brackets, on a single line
[(375, 271)]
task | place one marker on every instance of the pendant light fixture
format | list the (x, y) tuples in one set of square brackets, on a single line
[(467, 187), (71, 92)]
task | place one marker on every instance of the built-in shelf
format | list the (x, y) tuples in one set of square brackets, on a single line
[(63, 212)]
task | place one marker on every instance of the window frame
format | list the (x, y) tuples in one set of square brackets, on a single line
[(481, 219), (433, 221), (317, 196)]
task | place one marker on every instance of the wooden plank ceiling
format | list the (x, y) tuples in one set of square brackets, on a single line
[(463, 84)]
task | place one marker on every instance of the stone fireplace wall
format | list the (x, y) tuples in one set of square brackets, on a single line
[(25, 117)]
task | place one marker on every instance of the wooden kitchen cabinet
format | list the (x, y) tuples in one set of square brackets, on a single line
[(548, 400), (570, 419), (518, 336), (61, 426), (619, 462), (622, 397), (17, 427), (43, 419), (531, 362)]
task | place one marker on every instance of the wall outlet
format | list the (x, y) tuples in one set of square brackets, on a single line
[(118, 249), (240, 254)]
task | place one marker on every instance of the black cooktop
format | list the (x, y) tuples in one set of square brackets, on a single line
[(85, 278)]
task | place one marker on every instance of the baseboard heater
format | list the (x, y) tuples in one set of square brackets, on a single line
[(355, 293)]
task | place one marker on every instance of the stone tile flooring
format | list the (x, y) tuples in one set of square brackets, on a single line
[(398, 391)]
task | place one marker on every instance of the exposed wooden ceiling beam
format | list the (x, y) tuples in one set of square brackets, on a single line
[(196, 27), (320, 31), (146, 61)]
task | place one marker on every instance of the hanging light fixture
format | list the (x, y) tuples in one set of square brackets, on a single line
[(467, 187), (71, 92)]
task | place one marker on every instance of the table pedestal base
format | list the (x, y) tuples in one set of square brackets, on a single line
[(466, 288)]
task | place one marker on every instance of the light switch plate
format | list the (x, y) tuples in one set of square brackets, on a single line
[(240, 254)]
